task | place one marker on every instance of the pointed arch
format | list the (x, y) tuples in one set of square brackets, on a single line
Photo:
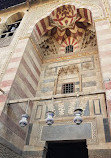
[(15, 17)]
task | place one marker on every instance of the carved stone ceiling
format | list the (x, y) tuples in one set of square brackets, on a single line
[(64, 23), (48, 46)]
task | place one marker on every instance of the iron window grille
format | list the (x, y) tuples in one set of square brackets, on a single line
[(7, 35), (10, 29), (69, 49), (68, 88)]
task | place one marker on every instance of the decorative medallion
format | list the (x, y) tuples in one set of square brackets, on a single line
[(65, 21), (64, 16)]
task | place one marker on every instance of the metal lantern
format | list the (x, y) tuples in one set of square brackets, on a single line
[(78, 113), (49, 119), (23, 122)]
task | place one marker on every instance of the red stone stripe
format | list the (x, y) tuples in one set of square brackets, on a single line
[(36, 56), (43, 25), (109, 111), (37, 28), (6, 83), (19, 90), (3, 98), (109, 105), (62, 49), (85, 13), (108, 85), (15, 108), (29, 71), (11, 70), (33, 63), (6, 120), (15, 59), (52, 13), (79, 13), (73, 41), (27, 83)]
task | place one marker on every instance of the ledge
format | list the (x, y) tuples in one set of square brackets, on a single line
[(57, 96)]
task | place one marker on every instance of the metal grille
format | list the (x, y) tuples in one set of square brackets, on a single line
[(68, 88), (69, 49), (7, 35)]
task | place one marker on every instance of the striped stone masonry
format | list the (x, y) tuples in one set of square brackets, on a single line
[(8, 117), (19, 81), (11, 71), (103, 31)]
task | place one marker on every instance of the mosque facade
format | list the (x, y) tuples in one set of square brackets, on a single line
[(55, 60)]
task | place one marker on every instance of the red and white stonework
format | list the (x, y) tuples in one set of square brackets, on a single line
[(35, 66)]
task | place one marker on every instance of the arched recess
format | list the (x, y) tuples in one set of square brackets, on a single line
[(60, 27), (38, 33), (14, 18), (69, 41), (68, 76), (65, 24), (11, 25)]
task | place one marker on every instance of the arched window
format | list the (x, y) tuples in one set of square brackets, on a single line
[(11, 25), (10, 29), (69, 49), (68, 80)]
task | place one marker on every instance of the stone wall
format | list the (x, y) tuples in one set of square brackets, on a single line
[(84, 72), (24, 85), (8, 153), (13, 66), (99, 153)]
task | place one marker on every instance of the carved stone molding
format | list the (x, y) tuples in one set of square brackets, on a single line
[(70, 69)]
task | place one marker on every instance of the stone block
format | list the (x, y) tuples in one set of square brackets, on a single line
[(89, 84), (66, 132)]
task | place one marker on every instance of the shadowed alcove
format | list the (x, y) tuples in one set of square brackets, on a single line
[(65, 149)]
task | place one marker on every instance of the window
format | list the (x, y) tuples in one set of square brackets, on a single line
[(11, 26), (69, 49), (10, 29), (68, 88)]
